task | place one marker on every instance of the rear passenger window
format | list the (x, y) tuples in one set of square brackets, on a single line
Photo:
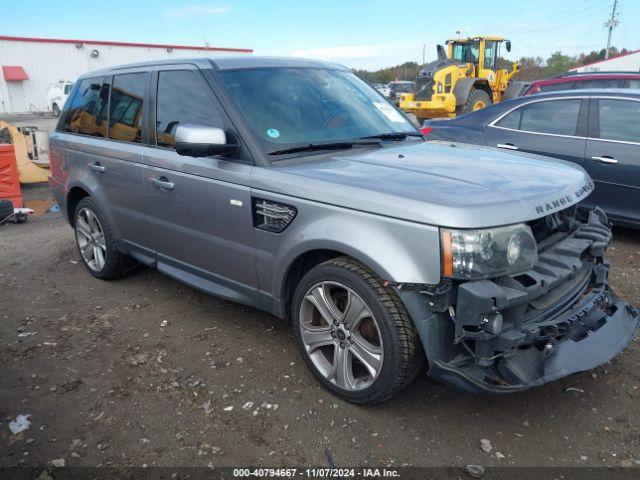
[(619, 120), (182, 99), (79, 112), (125, 112)]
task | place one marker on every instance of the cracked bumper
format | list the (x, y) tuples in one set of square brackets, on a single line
[(568, 356), (517, 332)]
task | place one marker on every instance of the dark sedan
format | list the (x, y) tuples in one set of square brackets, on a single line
[(597, 129)]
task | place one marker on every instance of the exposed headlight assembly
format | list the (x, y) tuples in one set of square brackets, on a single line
[(487, 252)]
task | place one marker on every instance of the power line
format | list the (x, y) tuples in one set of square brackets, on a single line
[(561, 16), (542, 30)]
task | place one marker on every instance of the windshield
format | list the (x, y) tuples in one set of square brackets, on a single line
[(299, 106), (466, 52)]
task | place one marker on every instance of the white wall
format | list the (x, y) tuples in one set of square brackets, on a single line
[(626, 63), (46, 63)]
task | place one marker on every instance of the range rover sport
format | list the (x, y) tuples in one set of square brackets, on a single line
[(294, 187)]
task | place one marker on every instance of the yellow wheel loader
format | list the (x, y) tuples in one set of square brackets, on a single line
[(465, 79)]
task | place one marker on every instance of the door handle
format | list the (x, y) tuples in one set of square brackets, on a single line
[(96, 167), (163, 183), (605, 159), (508, 146)]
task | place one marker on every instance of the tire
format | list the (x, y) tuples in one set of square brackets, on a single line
[(90, 220), (6, 209), (381, 329), (56, 110), (476, 97)]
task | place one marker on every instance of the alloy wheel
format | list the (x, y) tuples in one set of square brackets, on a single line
[(341, 335), (91, 241)]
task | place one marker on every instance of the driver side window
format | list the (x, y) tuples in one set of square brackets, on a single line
[(182, 99)]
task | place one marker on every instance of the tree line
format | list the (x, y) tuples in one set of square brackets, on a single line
[(531, 68)]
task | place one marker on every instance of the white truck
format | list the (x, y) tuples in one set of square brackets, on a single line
[(57, 94)]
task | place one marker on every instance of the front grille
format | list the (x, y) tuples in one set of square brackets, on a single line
[(424, 89), (539, 305)]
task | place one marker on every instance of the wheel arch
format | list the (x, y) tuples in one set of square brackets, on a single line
[(463, 87), (297, 269), (74, 196)]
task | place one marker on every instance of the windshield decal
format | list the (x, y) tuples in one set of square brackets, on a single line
[(273, 133), (388, 111)]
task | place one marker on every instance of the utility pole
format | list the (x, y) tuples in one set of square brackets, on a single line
[(424, 47), (611, 24)]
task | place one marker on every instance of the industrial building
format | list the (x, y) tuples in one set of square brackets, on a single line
[(627, 62), (30, 65)]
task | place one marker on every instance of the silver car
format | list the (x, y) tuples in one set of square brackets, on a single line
[(294, 187)]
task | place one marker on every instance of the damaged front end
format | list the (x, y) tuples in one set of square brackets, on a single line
[(515, 332)]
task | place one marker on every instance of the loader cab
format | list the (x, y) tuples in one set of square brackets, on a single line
[(482, 52)]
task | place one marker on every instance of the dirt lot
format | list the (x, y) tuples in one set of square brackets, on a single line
[(148, 371)]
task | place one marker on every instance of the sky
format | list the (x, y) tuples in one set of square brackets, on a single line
[(357, 33)]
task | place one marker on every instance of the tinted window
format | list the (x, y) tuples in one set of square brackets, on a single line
[(182, 99), (78, 117), (556, 116), (125, 112), (619, 120), (512, 120), (600, 83), (554, 87), (67, 89)]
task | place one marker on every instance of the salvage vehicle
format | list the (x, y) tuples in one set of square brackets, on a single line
[(466, 78), (293, 186), (596, 129)]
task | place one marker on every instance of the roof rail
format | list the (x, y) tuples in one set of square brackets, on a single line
[(596, 72)]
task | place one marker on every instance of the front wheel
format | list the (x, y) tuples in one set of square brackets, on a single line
[(477, 100), (354, 333), (56, 110)]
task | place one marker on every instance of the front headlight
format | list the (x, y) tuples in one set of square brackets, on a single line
[(487, 252)]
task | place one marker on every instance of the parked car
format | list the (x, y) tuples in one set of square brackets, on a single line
[(575, 81), (294, 187), (57, 95), (596, 129), (398, 87)]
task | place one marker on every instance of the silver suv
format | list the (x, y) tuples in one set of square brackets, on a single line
[(294, 187)]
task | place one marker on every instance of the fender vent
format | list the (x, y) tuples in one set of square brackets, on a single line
[(272, 216)]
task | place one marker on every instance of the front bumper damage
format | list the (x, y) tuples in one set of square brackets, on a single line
[(517, 332)]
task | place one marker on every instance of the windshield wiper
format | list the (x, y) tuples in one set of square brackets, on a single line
[(322, 146), (395, 135)]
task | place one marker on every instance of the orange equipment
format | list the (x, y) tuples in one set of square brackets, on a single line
[(9, 180)]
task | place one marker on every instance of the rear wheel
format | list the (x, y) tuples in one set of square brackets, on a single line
[(96, 242), (477, 100), (354, 333)]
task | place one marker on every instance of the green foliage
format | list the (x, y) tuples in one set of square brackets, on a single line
[(406, 71), (558, 63)]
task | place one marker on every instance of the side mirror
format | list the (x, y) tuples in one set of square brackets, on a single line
[(201, 141), (508, 45)]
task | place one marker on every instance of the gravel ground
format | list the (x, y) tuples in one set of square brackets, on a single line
[(145, 370)]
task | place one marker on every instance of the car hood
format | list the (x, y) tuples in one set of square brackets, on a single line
[(454, 185)]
